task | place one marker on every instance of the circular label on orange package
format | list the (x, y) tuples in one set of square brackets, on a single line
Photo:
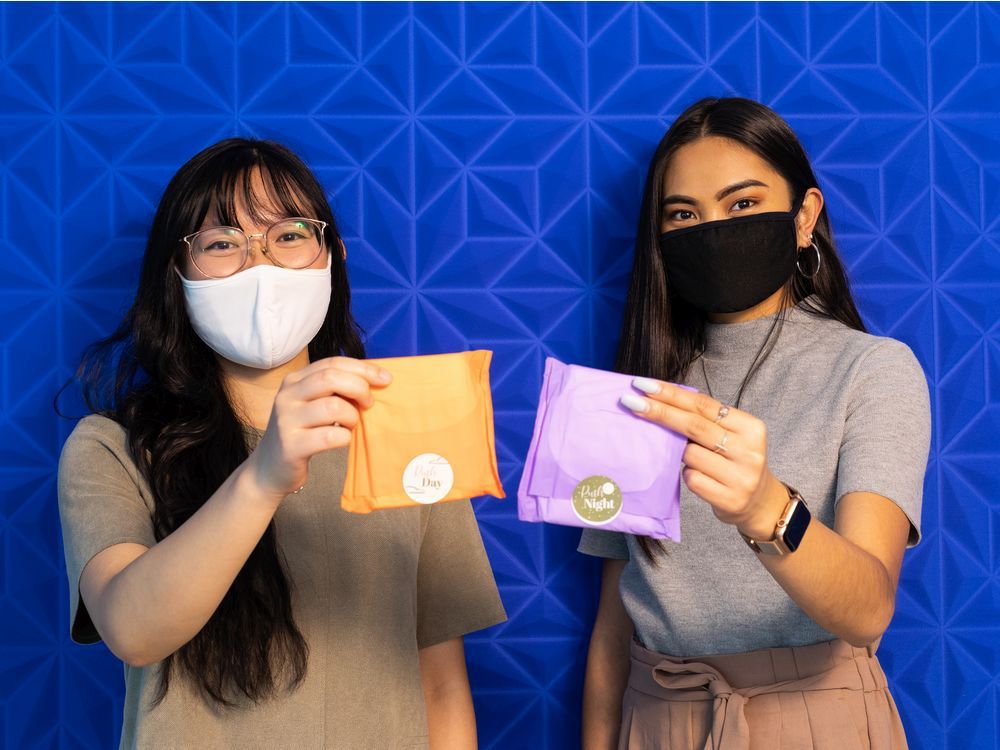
[(428, 478), (597, 500)]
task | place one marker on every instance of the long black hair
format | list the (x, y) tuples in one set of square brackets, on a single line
[(156, 378), (661, 333)]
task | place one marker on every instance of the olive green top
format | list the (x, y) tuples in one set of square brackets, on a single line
[(368, 591)]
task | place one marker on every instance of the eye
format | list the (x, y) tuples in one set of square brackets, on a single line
[(744, 203), (219, 246), (291, 233), (681, 214)]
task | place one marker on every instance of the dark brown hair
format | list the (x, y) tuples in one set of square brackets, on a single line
[(156, 378), (661, 333)]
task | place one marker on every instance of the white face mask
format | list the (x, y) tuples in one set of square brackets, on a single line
[(261, 317)]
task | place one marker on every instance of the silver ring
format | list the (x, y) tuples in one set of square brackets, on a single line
[(296, 492), (720, 447), (723, 413)]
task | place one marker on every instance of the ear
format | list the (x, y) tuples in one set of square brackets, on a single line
[(343, 249), (805, 220)]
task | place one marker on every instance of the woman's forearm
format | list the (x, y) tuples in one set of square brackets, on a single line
[(451, 718), (603, 688), (162, 598), (845, 589), (607, 664), (148, 603)]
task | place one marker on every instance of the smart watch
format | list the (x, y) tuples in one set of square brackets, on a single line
[(789, 531)]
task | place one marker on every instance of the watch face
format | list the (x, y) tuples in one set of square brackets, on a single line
[(796, 528)]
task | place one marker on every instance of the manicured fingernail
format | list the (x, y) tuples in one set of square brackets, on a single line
[(635, 403), (646, 385), (384, 375)]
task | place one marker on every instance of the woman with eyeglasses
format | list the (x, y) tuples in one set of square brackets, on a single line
[(802, 485), (204, 539)]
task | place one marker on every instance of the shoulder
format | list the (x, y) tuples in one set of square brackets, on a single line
[(888, 376), (882, 361), (884, 353), (874, 378), (96, 429), (98, 426), (838, 347), (95, 440)]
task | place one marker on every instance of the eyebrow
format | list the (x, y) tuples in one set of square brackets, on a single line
[(729, 189)]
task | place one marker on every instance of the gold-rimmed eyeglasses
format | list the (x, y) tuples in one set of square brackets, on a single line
[(219, 252)]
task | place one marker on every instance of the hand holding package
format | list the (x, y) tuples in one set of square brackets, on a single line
[(592, 463), (427, 438)]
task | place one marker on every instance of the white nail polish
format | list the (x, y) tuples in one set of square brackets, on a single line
[(646, 385), (635, 403)]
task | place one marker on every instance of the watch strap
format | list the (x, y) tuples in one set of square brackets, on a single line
[(777, 544)]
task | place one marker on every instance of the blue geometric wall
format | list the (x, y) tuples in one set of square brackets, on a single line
[(485, 163)]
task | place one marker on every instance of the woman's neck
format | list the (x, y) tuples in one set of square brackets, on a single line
[(252, 391)]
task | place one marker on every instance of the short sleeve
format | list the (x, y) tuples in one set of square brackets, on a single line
[(886, 436), (610, 544), (99, 506), (456, 591)]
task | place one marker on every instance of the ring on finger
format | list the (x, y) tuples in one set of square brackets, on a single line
[(720, 447), (723, 413)]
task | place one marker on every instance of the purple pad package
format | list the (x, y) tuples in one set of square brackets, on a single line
[(592, 463)]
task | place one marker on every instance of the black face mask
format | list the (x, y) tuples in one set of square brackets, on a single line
[(731, 264)]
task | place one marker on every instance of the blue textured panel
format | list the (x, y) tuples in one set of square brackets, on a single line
[(485, 163)]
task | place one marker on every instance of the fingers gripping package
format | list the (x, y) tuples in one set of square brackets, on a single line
[(427, 438), (592, 463)]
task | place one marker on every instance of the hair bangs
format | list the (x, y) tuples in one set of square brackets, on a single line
[(261, 192)]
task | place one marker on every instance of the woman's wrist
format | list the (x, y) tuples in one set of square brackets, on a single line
[(762, 523), (248, 487)]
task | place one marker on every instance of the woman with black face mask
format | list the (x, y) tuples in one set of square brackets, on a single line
[(803, 475)]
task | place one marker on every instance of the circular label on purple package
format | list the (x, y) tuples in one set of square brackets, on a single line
[(428, 478), (597, 500)]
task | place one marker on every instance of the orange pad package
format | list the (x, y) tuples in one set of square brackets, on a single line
[(427, 438)]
